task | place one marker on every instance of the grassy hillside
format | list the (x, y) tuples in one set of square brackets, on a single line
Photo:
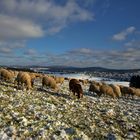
[(44, 114)]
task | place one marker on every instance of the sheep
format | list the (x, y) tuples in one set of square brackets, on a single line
[(17, 79), (6, 75), (75, 87), (116, 89), (59, 79), (136, 91), (33, 77), (84, 82), (24, 78), (126, 91), (108, 90), (49, 82), (130, 92), (15, 73), (81, 81), (95, 87), (72, 82)]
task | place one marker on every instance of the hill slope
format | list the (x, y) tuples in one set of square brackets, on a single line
[(43, 114)]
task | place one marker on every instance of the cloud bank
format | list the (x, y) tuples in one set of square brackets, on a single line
[(26, 19)]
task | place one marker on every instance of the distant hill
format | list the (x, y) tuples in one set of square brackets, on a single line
[(71, 69), (89, 69)]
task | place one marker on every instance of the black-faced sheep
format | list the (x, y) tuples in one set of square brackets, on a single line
[(75, 87), (49, 82)]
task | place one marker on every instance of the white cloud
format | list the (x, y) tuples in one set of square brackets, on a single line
[(123, 34), (15, 28), (25, 19)]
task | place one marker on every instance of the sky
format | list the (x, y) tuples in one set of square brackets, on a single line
[(80, 33)]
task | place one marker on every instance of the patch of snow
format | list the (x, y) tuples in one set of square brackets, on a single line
[(98, 79)]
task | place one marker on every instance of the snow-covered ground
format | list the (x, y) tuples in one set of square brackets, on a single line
[(84, 76)]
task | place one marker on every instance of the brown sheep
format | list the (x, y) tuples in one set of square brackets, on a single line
[(33, 77), (136, 91), (81, 81), (127, 91), (95, 87), (75, 87), (15, 73), (59, 79), (116, 89), (17, 79), (24, 78), (49, 82), (108, 90), (73, 81), (6, 75), (84, 82)]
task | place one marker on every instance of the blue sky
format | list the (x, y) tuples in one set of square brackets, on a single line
[(81, 33)]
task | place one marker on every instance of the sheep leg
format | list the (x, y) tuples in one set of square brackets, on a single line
[(81, 95), (42, 86), (78, 95)]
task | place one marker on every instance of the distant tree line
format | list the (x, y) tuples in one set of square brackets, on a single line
[(135, 81)]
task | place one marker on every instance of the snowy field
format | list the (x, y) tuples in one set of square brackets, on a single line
[(84, 76)]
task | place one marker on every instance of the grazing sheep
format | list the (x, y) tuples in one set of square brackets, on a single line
[(127, 91), (95, 87), (108, 90), (24, 78), (49, 82), (6, 75), (84, 82), (33, 77), (15, 73), (59, 79), (97, 83), (81, 81), (17, 79), (136, 91), (116, 89), (75, 87), (72, 82)]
